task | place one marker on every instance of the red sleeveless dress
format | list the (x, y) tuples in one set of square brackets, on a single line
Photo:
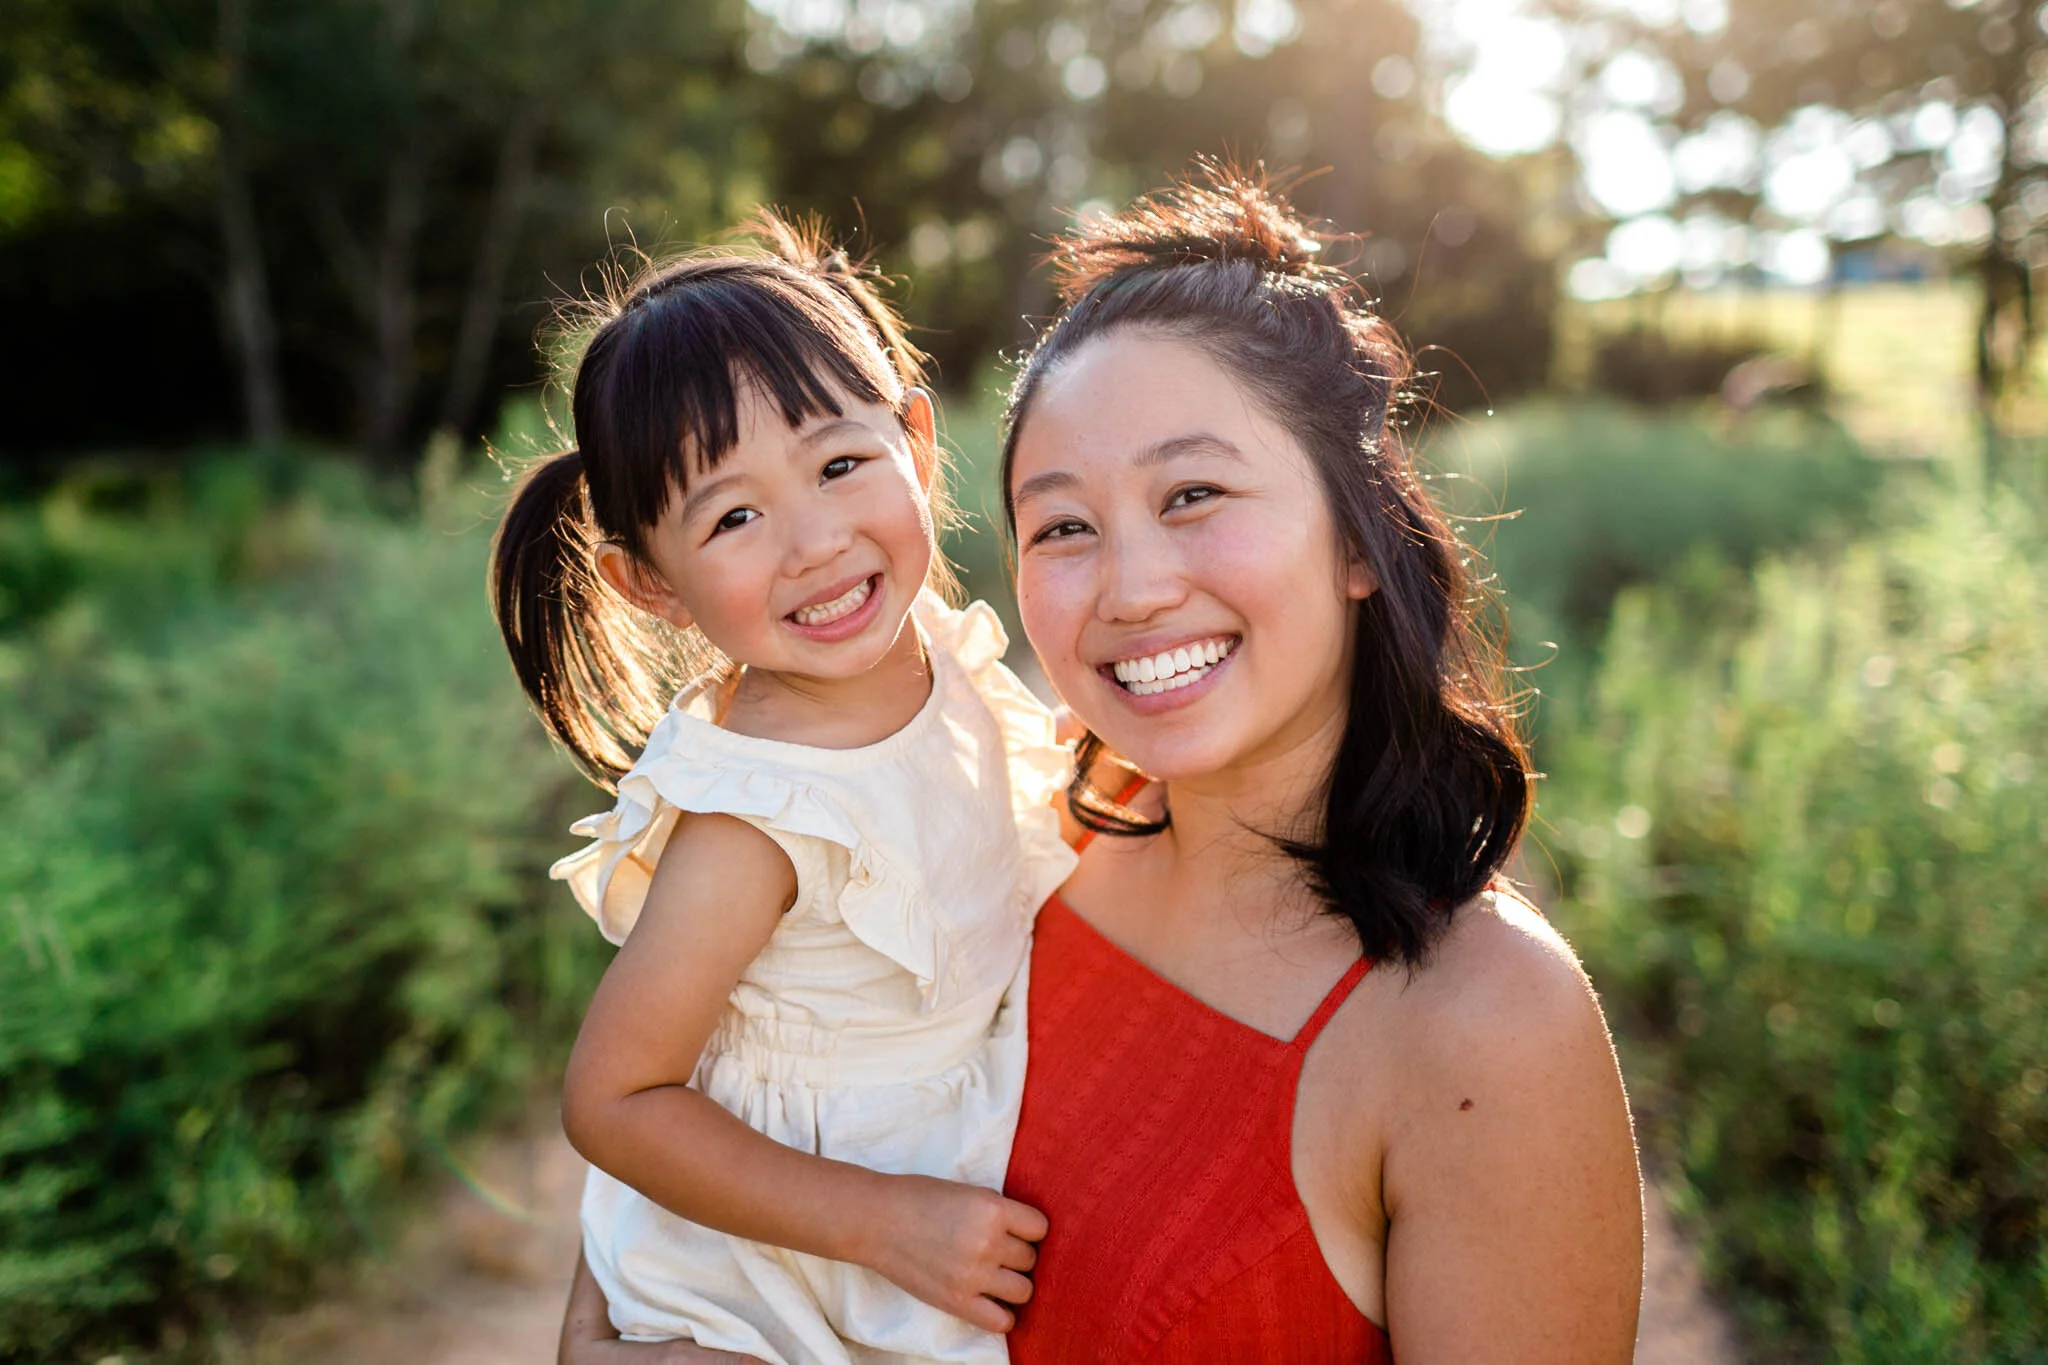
[(1156, 1136)]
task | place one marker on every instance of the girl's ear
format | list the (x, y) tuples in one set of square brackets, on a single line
[(639, 584), (921, 422)]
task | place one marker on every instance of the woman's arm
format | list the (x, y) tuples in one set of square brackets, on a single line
[(589, 1339), (717, 894), (1510, 1184)]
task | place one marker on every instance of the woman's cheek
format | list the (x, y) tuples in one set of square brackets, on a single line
[(1053, 603)]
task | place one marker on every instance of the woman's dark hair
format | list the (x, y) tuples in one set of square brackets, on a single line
[(663, 358), (1429, 789)]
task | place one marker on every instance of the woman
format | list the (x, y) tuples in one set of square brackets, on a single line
[(1306, 1083)]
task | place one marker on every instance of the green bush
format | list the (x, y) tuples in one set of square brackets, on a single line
[(1800, 842), (1571, 503), (276, 820)]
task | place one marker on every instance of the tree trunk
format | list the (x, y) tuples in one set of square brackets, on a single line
[(244, 294), (393, 363), (483, 301)]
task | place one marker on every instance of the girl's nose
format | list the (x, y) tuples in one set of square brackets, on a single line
[(1141, 576), (817, 535)]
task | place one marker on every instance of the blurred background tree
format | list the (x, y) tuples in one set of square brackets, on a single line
[(344, 218), (1799, 132)]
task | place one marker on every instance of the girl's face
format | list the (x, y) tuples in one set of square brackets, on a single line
[(801, 553), (1178, 570)]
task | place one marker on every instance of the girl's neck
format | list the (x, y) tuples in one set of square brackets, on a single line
[(834, 713)]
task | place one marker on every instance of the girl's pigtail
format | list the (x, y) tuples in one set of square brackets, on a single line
[(592, 670)]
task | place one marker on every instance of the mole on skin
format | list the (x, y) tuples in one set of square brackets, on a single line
[(1466, 1105)]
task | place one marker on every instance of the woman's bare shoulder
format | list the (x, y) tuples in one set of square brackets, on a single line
[(1500, 1004)]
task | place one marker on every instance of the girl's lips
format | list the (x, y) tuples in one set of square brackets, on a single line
[(847, 626)]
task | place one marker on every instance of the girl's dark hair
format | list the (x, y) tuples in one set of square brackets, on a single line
[(662, 358), (1429, 789)]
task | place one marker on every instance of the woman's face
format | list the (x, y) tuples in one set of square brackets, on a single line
[(1178, 572)]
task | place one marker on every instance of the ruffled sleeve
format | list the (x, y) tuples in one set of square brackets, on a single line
[(1040, 766), (611, 876)]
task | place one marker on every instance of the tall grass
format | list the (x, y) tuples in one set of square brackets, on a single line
[(276, 819), (1800, 841)]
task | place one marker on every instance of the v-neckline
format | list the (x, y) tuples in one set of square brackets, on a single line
[(1153, 973)]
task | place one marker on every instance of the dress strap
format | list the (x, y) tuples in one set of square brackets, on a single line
[(1339, 993), (1131, 789)]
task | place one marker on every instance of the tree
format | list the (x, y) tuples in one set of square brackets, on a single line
[(968, 143), (1916, 117)]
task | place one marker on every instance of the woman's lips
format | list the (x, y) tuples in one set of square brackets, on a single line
[(1180, 687)]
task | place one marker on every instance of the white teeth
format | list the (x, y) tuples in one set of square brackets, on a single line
[(1171, 669), (827, 612)]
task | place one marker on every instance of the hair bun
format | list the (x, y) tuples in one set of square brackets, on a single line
[(1217, 214)]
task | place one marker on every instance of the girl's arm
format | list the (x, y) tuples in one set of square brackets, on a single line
[(718, 892), (1509, 1176)]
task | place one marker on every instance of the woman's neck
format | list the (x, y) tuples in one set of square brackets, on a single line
[(835, 713), (1219, 853)]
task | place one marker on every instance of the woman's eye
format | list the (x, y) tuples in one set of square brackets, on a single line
[(1188, 497), (838, 468), (1064, 529), (738, 516)]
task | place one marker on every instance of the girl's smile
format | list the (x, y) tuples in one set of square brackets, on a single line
[(839, 614)]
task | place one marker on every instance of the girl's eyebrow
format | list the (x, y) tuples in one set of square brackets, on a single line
[(701, 493), (1158, 453), (833, 428)]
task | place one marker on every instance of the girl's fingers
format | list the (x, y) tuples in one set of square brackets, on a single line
[(1024, 1221), (1010, 1287), (988, 1315), (1017, 1254)]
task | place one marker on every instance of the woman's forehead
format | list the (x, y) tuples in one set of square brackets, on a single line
[(1134, 401)]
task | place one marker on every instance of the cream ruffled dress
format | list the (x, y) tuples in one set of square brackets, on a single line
[(884, 1022)]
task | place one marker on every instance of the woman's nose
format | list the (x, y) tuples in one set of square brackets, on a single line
[(1140, 577)]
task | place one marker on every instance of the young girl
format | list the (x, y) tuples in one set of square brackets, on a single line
[(799, 1079)]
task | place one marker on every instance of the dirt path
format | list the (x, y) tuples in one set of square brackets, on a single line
[(480, 1279)]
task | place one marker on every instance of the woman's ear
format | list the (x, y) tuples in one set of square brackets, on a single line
[(639, 584), (921, 421), (1360, 582)]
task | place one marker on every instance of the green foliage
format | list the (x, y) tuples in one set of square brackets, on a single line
[(1591, 498), (1800, 843), (272, 808)]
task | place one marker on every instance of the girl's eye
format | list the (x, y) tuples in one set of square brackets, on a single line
[(1188, 497), (838, 468), (738, 516), (1066, 528)]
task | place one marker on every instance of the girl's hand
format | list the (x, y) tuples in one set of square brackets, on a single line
[(958, 1247), (588, 1338)]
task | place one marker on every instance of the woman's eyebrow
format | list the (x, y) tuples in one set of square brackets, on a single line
[(1178, 447), (1159, 452)]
